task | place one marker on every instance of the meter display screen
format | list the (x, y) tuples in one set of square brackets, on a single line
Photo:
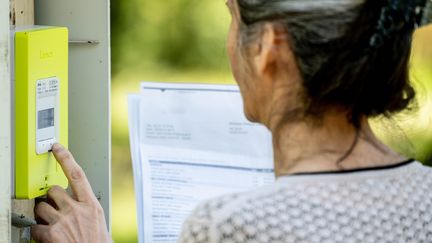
[(47, 111), (46, 118)]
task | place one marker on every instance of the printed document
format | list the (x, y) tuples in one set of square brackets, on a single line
[(190, 143)]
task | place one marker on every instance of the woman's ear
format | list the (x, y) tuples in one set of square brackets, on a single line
[(269, 51), (272, 55)]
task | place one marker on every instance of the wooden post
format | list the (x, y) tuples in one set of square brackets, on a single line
[(5, 125), (21, 14)]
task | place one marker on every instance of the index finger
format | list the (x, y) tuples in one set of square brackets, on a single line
[(74, 173)]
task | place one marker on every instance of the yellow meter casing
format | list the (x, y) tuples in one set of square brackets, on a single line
[(41, 108)]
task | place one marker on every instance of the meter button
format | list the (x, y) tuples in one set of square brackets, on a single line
[(45, 146)]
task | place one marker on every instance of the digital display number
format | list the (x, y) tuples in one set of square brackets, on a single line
[(46, 118)]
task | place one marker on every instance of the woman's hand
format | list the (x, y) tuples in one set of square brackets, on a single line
[(78, 219)]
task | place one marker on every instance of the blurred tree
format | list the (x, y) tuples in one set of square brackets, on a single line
[(172, 33)]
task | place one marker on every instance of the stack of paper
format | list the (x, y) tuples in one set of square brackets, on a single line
[(189, 143)]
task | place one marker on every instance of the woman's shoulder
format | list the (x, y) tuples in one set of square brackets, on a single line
[(200, 224), (207, 209), (210, 209), (293, 202), (307, 187), (231, 213)]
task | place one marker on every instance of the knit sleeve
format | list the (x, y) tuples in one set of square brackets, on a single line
[(196, 228)]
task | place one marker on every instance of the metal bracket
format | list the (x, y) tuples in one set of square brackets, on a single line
[(20, 221)]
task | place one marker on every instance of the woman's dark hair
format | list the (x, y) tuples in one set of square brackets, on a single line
[(346, 50)]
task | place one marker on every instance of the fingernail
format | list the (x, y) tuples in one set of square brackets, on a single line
[(57, 147)]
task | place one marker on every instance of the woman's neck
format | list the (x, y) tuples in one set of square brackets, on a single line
[(333, 144)]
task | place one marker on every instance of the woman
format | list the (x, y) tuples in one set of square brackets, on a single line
[(313, 72)]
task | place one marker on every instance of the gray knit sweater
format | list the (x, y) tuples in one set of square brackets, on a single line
[(391, 204)]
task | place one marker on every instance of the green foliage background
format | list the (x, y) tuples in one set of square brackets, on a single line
[(170, 40), (173, 34), (184, 40)]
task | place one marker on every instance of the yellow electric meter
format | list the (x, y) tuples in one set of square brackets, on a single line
[(41, 107)]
